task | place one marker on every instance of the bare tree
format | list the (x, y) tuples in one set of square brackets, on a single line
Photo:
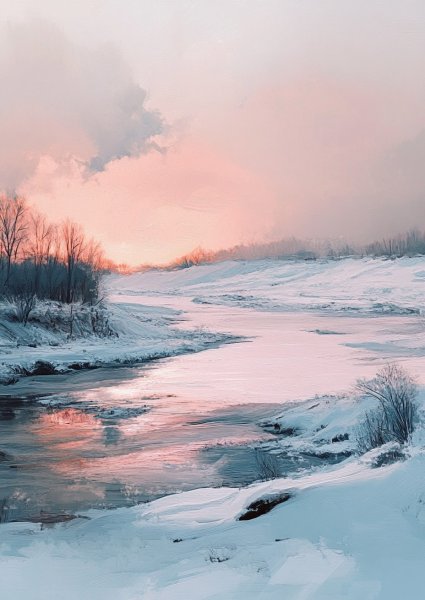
[(41, 236), (41, 260), (93, 254), (394, 419), (13, 229), (74, 242), (40, 243)]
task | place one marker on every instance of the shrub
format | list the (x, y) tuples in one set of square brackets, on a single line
[(100, 324), (267, 465), (371, 433), (24, 304), (394, 418), (4, 510)]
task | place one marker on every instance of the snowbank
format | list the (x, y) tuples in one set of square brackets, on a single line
[(57, 339), (349, 532), (322, 426)]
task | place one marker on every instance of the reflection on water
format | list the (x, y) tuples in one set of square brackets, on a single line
[(92, 452), (116, 437)]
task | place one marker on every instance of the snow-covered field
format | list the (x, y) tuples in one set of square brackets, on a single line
[(351, 530), (354, 285)]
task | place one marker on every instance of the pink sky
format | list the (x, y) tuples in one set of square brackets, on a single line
[(164, 125)]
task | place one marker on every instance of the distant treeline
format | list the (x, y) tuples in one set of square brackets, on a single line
[(39, 259), (408, 244)]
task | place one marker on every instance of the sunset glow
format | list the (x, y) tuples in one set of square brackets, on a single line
[(170, 125)]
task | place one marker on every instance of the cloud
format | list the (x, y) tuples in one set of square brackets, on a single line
[(324, 111), (159, 206), (67, 101)]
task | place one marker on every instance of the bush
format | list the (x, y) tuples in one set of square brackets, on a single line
[(24, 304), (4, 510), (100, 324), (267, 465), (371, 433), (394, 418)]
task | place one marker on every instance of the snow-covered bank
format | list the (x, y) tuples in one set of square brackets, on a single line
[(367, 285), (56, 340), (351, 532), (322, 426)]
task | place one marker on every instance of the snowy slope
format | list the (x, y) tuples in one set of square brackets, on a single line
[(372, 285)]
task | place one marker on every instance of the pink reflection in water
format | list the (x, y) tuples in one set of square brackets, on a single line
[(67, 430), (289, 358)]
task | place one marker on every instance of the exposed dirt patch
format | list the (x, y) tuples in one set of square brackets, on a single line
[(263, 505)]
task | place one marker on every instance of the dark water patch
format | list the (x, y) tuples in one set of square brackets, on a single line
[(77, 380), (7, 414), (280, 429), (81, 366), (326, 332), (8, 407), (40, 367), (331, 458), (45, 518), (234, 417)]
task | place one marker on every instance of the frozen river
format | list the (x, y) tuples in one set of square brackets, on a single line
[(114, 437)]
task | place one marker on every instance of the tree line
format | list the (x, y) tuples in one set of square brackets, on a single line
[(40, 259), (410, 243)]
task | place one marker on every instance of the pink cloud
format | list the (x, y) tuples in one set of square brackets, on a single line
[(159, 206)]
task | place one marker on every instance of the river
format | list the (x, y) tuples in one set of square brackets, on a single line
[(114, 437)]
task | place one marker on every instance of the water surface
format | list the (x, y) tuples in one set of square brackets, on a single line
[(113, 437)]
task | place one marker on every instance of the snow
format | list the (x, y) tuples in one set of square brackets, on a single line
[(144, 332), (370, 285), (324, 424), (350, 530), (137, 333)]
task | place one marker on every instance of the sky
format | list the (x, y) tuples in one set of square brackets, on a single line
[(162, 125)]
